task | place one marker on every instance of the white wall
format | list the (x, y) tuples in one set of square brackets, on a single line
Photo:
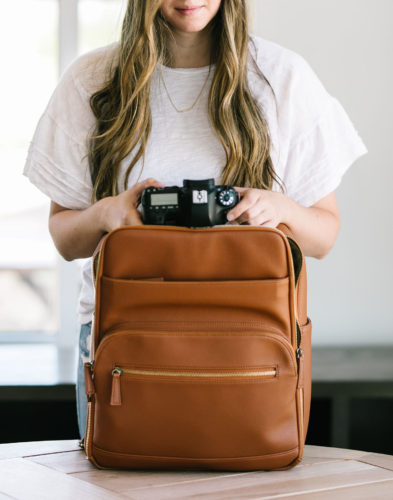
[(349, 44)]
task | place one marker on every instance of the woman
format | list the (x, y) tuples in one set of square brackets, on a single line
[(188, 93)]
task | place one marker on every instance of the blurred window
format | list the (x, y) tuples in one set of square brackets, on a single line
[(99, 22), (33, 35)]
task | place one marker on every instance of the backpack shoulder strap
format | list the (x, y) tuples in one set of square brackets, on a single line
[(300, 274)]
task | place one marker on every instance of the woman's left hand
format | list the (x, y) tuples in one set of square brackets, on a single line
[(259, 207)]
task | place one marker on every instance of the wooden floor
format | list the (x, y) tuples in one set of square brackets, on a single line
[(59, 470)]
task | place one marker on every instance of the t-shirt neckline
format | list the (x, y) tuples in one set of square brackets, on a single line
[(202, 69)]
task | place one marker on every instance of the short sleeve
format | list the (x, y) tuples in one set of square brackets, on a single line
[(322, 140), (57, 162)]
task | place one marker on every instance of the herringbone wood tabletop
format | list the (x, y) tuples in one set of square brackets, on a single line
[(59, 469)]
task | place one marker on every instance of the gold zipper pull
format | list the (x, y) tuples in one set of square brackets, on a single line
[(116, 392)]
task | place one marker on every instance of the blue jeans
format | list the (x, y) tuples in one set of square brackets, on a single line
[(83, 356)]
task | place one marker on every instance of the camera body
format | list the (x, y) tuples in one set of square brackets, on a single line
[(196, 204)]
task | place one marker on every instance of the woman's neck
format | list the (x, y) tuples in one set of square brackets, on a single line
[(190, 50)]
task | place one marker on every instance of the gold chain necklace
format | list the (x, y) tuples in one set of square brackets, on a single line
[(170, 99)]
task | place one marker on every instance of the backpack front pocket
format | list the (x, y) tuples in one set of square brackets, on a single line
[(194, 396), (266, 301), (187, 375)]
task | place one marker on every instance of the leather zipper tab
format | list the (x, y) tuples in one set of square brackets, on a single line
[(116, 391), (89, 384), (300, 361)]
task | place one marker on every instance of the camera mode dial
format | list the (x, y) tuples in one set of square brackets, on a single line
[(226, 197)]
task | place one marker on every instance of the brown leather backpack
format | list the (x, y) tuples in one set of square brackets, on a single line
[(201, 350)]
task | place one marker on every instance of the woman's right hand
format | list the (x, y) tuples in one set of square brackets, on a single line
[(121, 210)]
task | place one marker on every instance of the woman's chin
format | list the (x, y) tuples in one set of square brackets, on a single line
[(189, 26)]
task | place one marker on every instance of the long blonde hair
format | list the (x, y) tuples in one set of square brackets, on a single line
[(122, 108)]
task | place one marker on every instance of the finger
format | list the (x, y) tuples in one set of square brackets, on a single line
[(268, 218), (254, 217), (150, 182), (255, 212), (264, 218), (249, 216), (139, 187), (244, 204), (269, 223)]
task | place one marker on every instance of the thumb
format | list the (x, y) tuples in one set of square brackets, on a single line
[(139, 187)]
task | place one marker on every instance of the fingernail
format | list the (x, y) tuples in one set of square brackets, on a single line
[(230, 217)]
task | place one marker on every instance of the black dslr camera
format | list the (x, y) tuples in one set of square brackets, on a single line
[(196, 204)]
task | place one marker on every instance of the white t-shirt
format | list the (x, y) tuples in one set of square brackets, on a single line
[(313, 140)]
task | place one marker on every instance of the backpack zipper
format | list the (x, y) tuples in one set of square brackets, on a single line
[(117, 372), (87, 439), (299, 350)]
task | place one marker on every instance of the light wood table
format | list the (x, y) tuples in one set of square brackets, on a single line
[(59, 470)]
